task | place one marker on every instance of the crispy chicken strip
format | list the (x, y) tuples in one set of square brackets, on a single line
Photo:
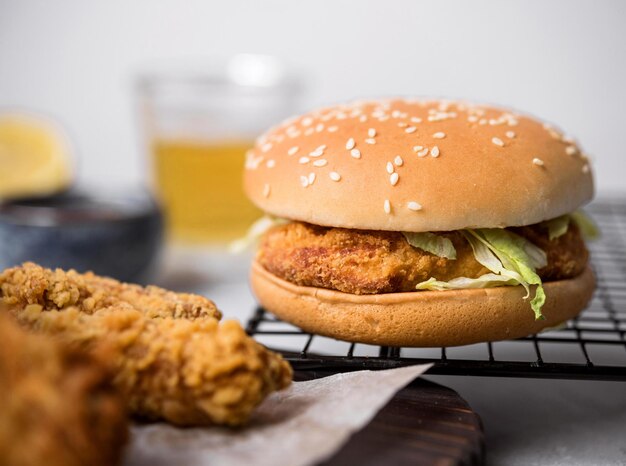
[(184, 371), (57, 289), (59, 407)]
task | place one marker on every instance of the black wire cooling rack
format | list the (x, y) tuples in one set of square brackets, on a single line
[(592, 346)]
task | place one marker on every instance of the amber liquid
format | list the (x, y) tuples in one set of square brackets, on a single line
[(200, 187)]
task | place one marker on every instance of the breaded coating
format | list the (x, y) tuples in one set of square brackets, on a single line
[(181, 370), (59, 407), (371, 262), (57, 289)]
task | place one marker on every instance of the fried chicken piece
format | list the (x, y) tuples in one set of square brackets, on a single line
[(57, 289), (59, 407), (371, 262), (168, 364), (185, 372)]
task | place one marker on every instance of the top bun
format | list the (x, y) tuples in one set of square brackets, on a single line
[(415, 165)]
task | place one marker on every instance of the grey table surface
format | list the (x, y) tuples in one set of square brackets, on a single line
[(526, 421)]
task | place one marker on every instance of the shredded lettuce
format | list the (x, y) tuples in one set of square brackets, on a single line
[(487, 280), (255, 231), (511, 259), (586, 225), (557, 226), (432, 243)]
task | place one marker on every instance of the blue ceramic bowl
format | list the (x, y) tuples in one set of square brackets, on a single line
[(118, 236)]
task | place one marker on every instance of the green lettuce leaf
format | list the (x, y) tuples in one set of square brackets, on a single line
[(256, 230), (519, 255), (432, 243), (487, 280), (586, 225), (511, 259), (557, 226)]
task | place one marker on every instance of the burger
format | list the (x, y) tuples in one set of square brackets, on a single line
[(406, 222)]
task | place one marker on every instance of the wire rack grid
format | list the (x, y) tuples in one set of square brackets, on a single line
[(592, 346)]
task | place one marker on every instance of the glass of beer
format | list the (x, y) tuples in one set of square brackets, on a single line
[(199, 125)]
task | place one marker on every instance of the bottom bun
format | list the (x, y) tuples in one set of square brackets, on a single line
[(420, 318)]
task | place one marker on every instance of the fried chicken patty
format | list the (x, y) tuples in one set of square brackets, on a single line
[(372, 262)]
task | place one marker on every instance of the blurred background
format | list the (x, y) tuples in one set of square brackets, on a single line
[(77, 61), (168, 96)]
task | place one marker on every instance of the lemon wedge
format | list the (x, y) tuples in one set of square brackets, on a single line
[(34, 157)]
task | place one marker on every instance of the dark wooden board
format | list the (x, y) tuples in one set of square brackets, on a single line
[(424, 424)]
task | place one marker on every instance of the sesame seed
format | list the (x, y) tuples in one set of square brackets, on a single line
[(320, 127), (482, 121), (304, 160), (410, 129), (363, 118), (350, 144), (416, 120), (320, 162), (393, 179), (414, 206), (510, 134), (586, 168), (304, 181), (390, 168), (293, 150), (538, 162), (472, 118), (371, 132), (271, 163), (387, 206), (334, 176), (512, 122), (309, 131), (434, 152), (307, 121), (497, 142), (266, 190), (311, 178), (417, 148), (370, 141), (571, 150), (318, 151), (356, 153), (402, 124), (439, 135), (398, 161), (266, 147), (252, 162), (332, 129), (423, 152)]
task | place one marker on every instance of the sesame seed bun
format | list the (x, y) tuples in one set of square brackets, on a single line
[(425, 318), (410, 165)]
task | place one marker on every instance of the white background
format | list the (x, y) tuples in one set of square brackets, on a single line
[(564, 61)]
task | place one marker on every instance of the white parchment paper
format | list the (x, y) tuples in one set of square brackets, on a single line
[(302, 425)]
